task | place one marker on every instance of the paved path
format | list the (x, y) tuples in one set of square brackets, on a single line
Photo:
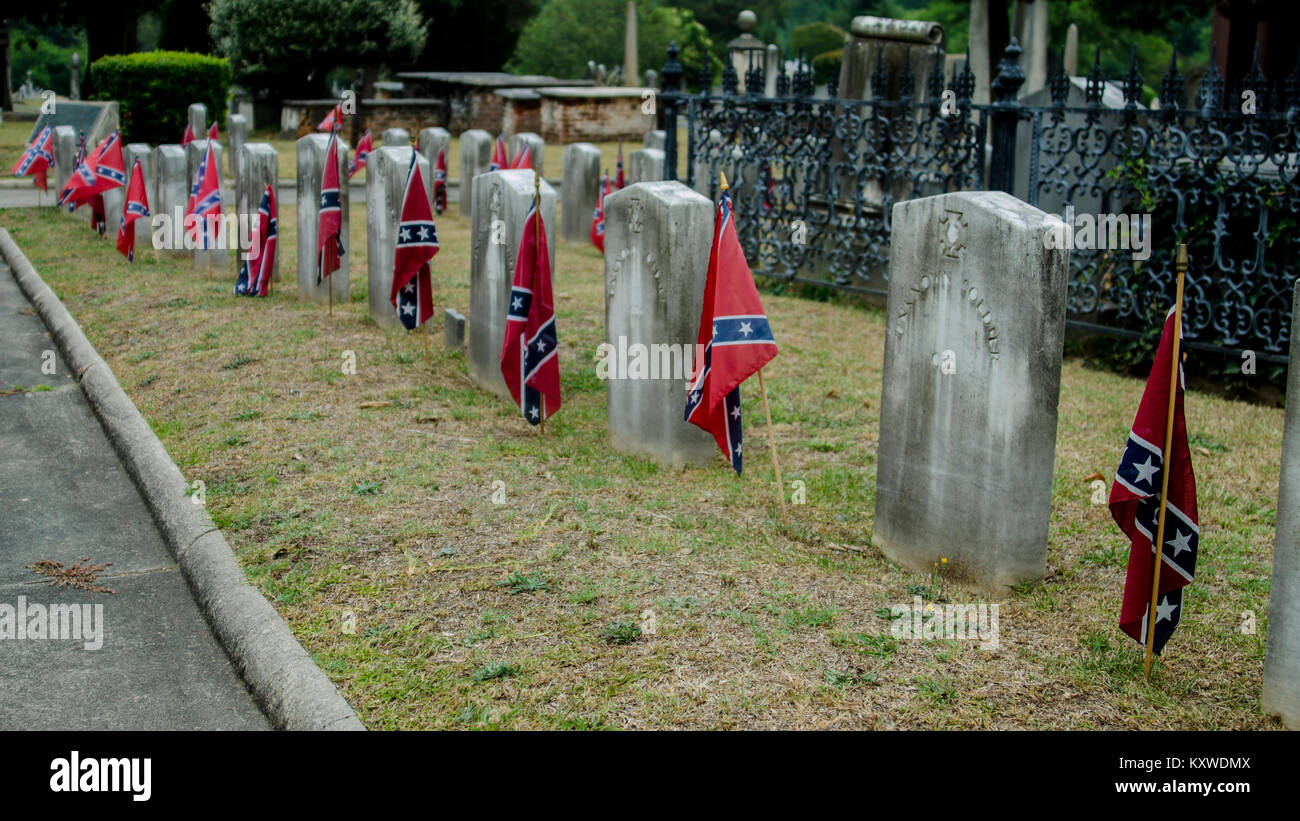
[(65, 496)]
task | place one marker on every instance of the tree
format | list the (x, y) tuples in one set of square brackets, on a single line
[(473, 35), (816, 38), (285, 48)]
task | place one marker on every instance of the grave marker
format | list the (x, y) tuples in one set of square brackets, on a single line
[(580, 190), (311, 165)]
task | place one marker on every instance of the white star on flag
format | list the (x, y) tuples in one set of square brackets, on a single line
[(541, 345), (735, 412), (1165, 610), (408, 308), (746, 329), (424, 232), (1183, 541), (533, 411), (1145, 471), (406, 234), (518, 302)]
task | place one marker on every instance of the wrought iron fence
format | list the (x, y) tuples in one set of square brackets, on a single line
[(814, 179)]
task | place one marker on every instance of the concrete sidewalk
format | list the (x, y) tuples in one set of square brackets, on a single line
[(64, 496)]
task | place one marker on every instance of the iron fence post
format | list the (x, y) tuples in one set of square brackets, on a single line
[(672, 75), (1006, 118)]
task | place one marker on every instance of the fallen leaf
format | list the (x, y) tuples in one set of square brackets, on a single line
[(1092, 477), (374, 404)]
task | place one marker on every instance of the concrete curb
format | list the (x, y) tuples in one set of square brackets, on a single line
[(288, 686)]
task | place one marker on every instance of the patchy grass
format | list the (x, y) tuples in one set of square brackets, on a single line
[(373, 493)]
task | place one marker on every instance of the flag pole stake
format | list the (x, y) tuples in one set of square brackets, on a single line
[(537, 259), (771, 440), (1158, 550), (426, 342), (329, 287)]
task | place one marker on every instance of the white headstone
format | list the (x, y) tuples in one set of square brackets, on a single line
[(646, 165), (972, 375), (453, 329), (657, 237), (654, 139), (386, 171), (311, 164), (170, 190), (236, 135), (535, 143), (475, 157), (215, 258), (394, 138), (65, 154), (433, 140), (504, 198), (1281, 696), (259, 166), (198, 120), (579, 190)]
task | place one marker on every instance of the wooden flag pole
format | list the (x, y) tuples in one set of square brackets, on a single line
[(1166, 460), (426, 341), (329, 287)]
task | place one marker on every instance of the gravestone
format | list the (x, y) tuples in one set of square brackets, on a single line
[(214, 258), (432, 140), (580, 190), (654, 139), (972, 375), (259, 166), (646, 165), (198, 120), (144, 153), (65, 154), (535, 143), (94, 119), (236, 135), (475, 157), (657, 238), (170, 190), (385, 186), (311, 164), (395, 138), (504, 198), (1281, 695), (453, 329)]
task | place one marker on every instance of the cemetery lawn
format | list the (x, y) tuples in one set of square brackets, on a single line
[(362, 507)]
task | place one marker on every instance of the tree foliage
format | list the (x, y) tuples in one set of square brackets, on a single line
[(287, 47), (816, 38), (473, 35)]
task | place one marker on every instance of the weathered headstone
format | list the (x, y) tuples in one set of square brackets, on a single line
[(311, 165), (65, 153), (259, 166), (432, 140), (1281, 695), (386, 171), (771, 68), (503, 198), (535, 144), (579, 190), (74, 77), (213, 257), (654, 139), (395, 138), (972, 375), (144, 153), (646, 165), (453, 329), (475, 157), (236, 135), (170, 190), (657, 237), (198, 120)]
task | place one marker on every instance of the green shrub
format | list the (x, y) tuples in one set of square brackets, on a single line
[(826, 66), (816, 38), (154, 90)]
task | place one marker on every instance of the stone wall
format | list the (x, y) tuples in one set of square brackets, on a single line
[(592, 115)]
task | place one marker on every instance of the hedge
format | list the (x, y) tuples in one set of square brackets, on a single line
[(826, 66), (154, 90)]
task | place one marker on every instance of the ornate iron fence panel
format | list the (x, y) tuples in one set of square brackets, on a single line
[(814, 179)]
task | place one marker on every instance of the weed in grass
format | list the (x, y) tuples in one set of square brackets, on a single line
[(849, 677), (520, 583), (367, 488), (623, 631), (868, 644), (497, 669), (936, 691), (811, 617)]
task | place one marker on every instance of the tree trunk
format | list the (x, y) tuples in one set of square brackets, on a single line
[(6, 67)]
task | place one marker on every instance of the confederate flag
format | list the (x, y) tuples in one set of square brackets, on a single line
[(333, 121), (205, 198), (598, 216), (255, 273), (188, 136), (137, 206), (364, 147), (440, 182), (329, 243), (212, 132), (37, 159), (621, 180), (500, 157), (735, 335), (525, 158), (417, 242), (1135, 504), (528, 352)]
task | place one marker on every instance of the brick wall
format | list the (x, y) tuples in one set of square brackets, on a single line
[(578, 119)]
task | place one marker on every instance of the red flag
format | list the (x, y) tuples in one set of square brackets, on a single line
[(525, 158), (528, 352), (621, 180), (329, 242), (735, 336), (103, 168), (333, 121), (37, 159), (500, 157), (255, 272), (364, 147), (598, 216), (188, 136), (136, 206), (417, 242), (440, 182), (205, 199), (1135, 504)]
